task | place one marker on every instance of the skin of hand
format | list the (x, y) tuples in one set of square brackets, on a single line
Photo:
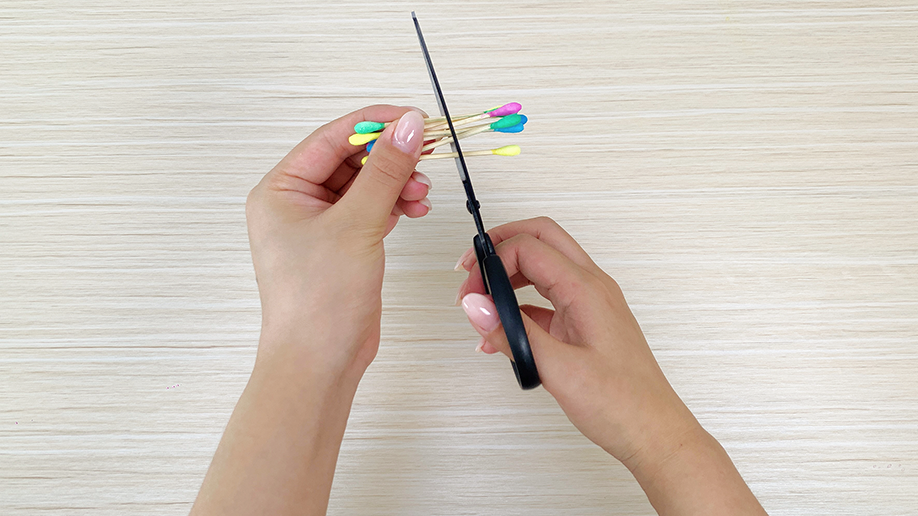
[(316, 231), (316, 226), (593, 358)]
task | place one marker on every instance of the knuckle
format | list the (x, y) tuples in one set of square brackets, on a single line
[(251, 202), (593, 282), (516, 245), (388, 169), (546, 221)]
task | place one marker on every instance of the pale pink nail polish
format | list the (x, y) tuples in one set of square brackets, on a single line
[(409, 132), (481, 312), (426, 202), (424, 180), (462, 259)]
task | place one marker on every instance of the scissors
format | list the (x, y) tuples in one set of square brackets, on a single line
[(493, 273)]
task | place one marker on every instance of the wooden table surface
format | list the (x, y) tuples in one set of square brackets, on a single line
[(747, 171)]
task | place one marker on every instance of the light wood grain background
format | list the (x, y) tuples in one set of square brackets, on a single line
[(748, 172)]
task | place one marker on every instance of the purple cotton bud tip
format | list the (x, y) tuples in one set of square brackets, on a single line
[(507, 109)]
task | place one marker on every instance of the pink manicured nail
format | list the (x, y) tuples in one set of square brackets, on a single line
[(461, 292), (426, 202), (481, 342), (462, 259), (409, 132), (424, 180), (481, 312), (419, 110)]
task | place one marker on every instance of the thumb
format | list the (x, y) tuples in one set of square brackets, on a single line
[(379, 183), (482, 313)]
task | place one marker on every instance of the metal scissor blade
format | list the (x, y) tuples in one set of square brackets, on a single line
[(441, 102)]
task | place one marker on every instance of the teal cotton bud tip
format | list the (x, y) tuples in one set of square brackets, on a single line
[(368, 127), (507, 109), (507, 121), (518, 128), (370, 145)]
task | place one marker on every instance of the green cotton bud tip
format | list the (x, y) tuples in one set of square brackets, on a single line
[(368, 127), (507, 121)]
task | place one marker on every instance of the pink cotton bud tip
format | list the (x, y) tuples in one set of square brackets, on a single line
[(507, 109)]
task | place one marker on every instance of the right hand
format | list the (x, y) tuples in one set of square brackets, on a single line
[(590, 352)]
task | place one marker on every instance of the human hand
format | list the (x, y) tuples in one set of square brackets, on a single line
[(316, 225), (593, 358), (590, 352)]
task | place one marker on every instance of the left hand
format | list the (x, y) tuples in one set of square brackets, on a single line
[(316, 225)]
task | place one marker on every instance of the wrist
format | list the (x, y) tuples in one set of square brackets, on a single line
[(692, 474), (318, 343), (311, 360), (658, 457), (669, 430)]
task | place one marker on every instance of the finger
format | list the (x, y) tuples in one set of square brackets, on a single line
[(317, 157), (475, 283), (414, 209), (553, 274), (377, 187), (416, 188), (390, 224), (550, 353), (485, 347), (543, 228), (539, 315)]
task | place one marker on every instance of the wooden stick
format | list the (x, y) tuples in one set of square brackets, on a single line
[(459, 130), (465, 134), (506, 109), (375, 127), (509, 150)]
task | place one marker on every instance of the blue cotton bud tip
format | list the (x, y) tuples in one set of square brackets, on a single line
[(518, 128), (370, 145), (524, 119), (368, 127)]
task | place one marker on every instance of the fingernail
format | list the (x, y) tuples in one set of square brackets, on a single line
[(424, 180), (481, 312), (481, 343), (419, 110), (461, 291), (462, 259), (409, 132), (426, 202)]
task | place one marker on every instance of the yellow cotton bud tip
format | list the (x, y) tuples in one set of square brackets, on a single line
[(509, 150), (362, 139), (364, 160)]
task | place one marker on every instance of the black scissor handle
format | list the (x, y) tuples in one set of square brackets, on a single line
[(496, 283)]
